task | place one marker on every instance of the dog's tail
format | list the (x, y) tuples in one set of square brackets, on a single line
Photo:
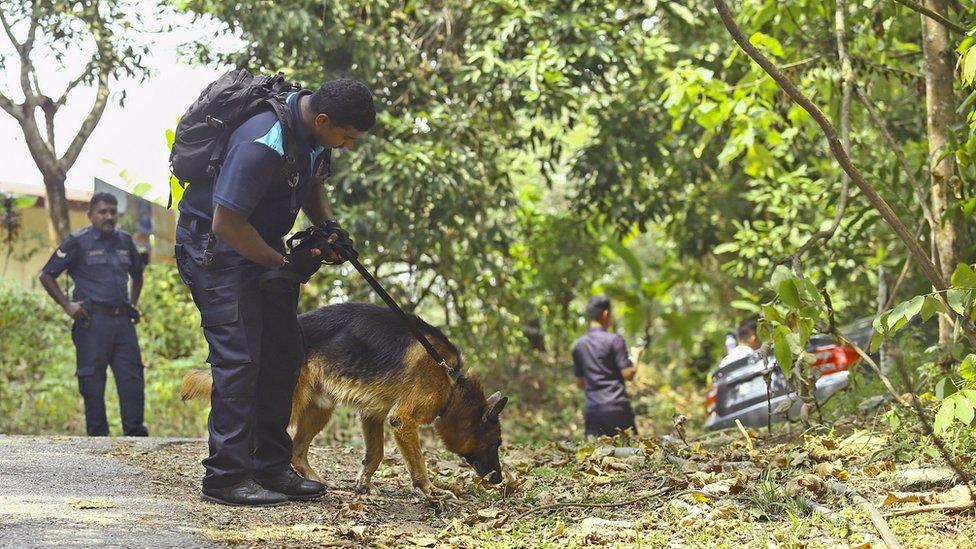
[(196, 384)]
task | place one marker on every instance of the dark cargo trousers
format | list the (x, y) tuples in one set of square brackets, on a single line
[(105, 341), (609, 420), (255, 355)]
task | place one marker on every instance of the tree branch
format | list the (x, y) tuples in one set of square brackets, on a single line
[(94, 115), (10, 107), (9, 31), (955, 27), (35, 22), (837, 148), (50, 109)]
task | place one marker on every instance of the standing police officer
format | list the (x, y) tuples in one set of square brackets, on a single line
[(230, 234), (100, 259)]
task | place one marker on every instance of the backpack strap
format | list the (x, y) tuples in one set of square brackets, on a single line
[(289, 170)]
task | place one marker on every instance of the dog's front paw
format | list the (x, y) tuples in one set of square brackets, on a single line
[(363, 486), (306, 471), (423, 488)]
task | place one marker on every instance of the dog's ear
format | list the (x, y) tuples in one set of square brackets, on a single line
[(494, 406)]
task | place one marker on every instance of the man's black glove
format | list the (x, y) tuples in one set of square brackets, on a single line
[(329, 238), (339, 247)]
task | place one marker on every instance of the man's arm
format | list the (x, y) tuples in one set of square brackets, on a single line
[(318, 206), (136, 268), (71, 308), (246, 174), (62, 259), (578, 370), (628, 368), (234, 229), (135, 291)]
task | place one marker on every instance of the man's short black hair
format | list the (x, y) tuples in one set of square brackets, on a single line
[(107, 198), (595, 307), (347, 102), (747, 328)]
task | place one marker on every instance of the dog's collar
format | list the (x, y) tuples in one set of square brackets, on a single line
[(455, 376)]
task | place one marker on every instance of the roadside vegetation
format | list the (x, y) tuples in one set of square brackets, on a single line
[(809, 164)]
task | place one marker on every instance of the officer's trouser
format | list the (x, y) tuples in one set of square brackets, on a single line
[(609, 420), (110, 341), (255, 353)]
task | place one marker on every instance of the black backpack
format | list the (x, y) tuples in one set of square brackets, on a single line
[(203, 131)]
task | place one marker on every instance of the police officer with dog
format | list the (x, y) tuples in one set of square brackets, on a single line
[(101, 259), (246, 184)]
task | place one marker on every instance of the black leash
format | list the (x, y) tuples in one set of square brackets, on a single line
[(451, 372)]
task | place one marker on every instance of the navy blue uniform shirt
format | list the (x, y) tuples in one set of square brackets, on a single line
[(251, 180), (598, 357), (100, 264)]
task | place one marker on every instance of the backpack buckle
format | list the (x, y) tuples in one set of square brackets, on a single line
[(215, 122)]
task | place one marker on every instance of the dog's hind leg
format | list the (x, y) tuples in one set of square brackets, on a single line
[(309, 420), (373, 438), (407, 438)]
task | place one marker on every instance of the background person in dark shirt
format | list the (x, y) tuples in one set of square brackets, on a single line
[(101, 259), (601, 365)]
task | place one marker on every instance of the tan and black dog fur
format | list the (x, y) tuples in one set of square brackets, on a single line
[(363, 356)]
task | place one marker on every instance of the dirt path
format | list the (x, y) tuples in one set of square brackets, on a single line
[(127, 492), (69, 491)]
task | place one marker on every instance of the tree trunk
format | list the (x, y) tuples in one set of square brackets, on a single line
[(532, 330), (57, 206), (940, 108)]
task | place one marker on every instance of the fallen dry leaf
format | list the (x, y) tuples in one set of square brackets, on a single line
[(91, 503), (806, 483), (422, 541), (831, 469), (876, 469)]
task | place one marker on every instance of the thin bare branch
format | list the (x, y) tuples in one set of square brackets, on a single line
[(847, 82), (899, 154), (951, 506), (880, 523), (955, 27), (74, 83), (837, 148), (833, 330)]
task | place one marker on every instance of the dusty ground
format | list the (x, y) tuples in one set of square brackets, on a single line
[(70, 491), (723, 491)]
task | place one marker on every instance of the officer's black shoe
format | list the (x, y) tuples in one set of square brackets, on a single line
[(292, 484), (246, 493)]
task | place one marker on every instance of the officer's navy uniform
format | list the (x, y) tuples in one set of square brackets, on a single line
[(599, 357), (255, 341), (100, 265)]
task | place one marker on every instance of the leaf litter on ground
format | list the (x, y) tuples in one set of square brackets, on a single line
[(655, 491)]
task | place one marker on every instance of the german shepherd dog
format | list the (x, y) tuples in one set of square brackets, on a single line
[(363, 355)]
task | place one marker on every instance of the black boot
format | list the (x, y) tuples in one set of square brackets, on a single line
[(291, 484), (246, 493)]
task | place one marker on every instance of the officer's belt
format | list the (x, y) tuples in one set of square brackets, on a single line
[(196, 225), (109, 310)]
